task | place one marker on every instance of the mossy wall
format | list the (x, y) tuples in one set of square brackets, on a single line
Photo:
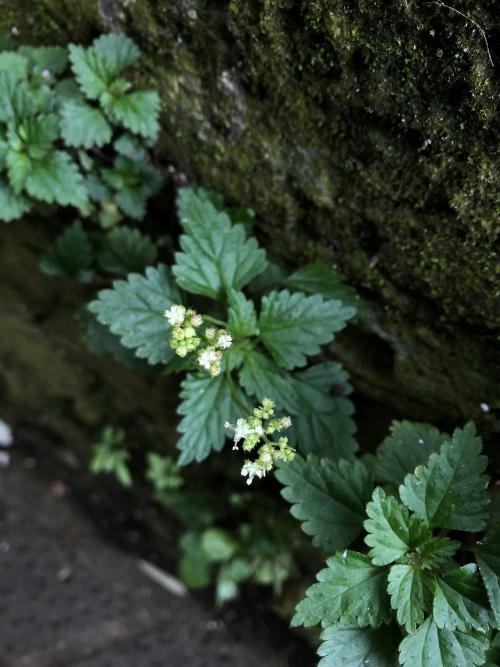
[(362, 132)]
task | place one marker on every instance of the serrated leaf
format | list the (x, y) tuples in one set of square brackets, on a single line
[(134, 183), (83, 125), (450, 491), (70, 255), (131, 147), (97, 190), (488, 559), (118, 50), (437, 551), (391, 531), (260, 377), (327, 497), (207, 403), (17, 101), (14, 63), (52, 58), (319, 278), (18, 169), (126, 250), (431, 646), (216, 256), (324, 423), (409, 589), (460, 600), (134, 310), (35, 136), (99, 340), (351, 646), (56, 178), (410, 444), (12, 206), (294, 326), (90, 71), (137, 112), (242, 318), (351, 589)]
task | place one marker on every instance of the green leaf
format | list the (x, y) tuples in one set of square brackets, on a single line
[(34, 136), (242, 319), (99, 340), (391, 531), (14, 63), (57, 179), (131, 147), (52, 58), (207, 403), (450, 492), (17, 100), (218, 545), (437, 551), (488, 559), (134, 310), (409, 589), (260, 377), (126, 250), (90, 71), (194, 567), (293, 326), (83, 125), (12, 206), (460, 600), (351, 646), (319, 278), (431, 646), (18, 170), (70, 255), (118, 50), (216, 255), (350, 589), (324, 423), (327, 497), (137, 112), (410, 444), (134, 182)]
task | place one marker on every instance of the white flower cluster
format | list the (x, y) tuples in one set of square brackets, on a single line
[(254, 431), (185, 338)]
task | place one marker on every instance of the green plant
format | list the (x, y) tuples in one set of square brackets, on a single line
[(75, 132), (236, 353), (428, 578), (110, 455)]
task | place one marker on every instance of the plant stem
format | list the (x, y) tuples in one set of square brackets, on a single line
[(214, 320)]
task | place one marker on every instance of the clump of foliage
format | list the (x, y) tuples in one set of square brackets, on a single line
[(237, 352), (75, 132), (428, 578), (110, 455)]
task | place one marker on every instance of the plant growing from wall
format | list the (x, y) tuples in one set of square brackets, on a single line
[(74, 131)]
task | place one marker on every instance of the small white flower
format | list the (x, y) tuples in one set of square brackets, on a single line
[(6, 437), (224, 340), (209, 358), (251, 469), (196, 320), (175, 315), (286, 422), (46, 74), (210, 333), (242, 430)]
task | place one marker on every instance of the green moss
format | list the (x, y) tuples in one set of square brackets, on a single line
[(364, 133)]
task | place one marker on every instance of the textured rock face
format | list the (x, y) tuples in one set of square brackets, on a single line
[(363, 133)]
